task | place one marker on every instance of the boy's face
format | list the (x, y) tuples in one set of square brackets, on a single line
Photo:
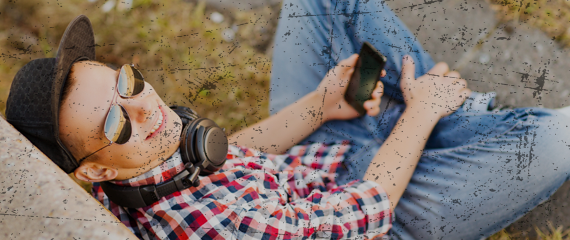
[(84, 112)]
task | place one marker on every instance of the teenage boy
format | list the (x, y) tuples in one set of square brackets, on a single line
[(111, 126)]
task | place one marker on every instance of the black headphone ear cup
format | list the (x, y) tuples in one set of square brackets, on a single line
[(204, 144), (212, 146), (187, 142)]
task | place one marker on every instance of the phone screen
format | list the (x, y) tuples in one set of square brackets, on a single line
[(366, 73)]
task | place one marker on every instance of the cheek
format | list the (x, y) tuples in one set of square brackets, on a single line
[(171, 134), (170, 137), (148, 89)]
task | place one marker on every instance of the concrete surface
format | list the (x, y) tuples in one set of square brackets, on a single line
[(39, 201)]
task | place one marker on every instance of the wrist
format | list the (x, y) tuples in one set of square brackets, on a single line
[(424, 112), (311, 108)]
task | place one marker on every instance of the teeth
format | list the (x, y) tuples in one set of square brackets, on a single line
[(158, 123)]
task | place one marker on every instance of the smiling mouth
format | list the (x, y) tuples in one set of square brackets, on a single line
[(158, 125)]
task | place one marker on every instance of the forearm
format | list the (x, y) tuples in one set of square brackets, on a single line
[(396, 160), (284, 129)]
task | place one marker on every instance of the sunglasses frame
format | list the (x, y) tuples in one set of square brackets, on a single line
[(114, 103)]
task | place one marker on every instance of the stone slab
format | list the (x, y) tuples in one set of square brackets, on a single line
[(524, 66), (449, 30), (39, 201)]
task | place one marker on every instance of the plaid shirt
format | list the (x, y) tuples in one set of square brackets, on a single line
[(261, 196)]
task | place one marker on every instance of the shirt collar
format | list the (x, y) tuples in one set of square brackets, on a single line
[(163, 172)]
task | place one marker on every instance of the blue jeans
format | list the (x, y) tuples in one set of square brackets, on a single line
[(481, 170)]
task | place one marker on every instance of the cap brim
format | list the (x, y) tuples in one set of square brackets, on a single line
[(77, 44)]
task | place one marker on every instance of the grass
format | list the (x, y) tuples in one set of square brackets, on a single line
[(180, 51), (189, 58), (551, 233), (551, 16)]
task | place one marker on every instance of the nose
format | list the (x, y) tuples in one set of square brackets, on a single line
[(139, 107)]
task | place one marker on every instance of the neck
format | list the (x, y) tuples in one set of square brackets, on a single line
[(160, 173), (128, 173)]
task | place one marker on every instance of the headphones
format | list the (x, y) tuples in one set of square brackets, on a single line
[(203, 148)]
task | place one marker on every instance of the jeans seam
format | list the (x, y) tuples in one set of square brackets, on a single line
[(462, 147)]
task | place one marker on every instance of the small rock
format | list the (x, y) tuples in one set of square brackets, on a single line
[(125, 5), (108, 6), (228, 34), (217, 17)]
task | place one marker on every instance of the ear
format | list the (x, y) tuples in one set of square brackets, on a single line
[(95, 172)]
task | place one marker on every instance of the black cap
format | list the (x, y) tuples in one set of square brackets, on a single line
[(33, 104)]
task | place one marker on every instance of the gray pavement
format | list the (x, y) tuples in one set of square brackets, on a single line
[(518, 62)]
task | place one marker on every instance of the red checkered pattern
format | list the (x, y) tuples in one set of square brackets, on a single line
[(261, 196)]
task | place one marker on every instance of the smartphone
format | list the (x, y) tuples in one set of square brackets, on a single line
[(366, 74)]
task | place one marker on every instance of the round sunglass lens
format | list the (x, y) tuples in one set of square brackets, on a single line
[(131, 81), (118, 125)]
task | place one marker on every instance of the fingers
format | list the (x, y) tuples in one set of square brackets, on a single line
[(372, 106), (461, 82), (465, 92), (408, 69), (439, 69), (383, 73), (346, 66), (349, 62), (452, 74), (378, 90)]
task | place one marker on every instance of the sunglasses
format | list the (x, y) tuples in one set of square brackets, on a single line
[(118, 123)]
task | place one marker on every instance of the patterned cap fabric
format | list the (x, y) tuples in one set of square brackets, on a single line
[(33, 103)]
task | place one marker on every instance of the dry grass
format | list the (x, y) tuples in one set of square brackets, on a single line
[(181, 52), (552, 233), (551, 16)]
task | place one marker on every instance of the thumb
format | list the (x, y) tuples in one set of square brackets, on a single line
[(350, 61), (408, 69), (348, 65)]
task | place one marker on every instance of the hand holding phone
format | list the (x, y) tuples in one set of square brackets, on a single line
[(367, 72)]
